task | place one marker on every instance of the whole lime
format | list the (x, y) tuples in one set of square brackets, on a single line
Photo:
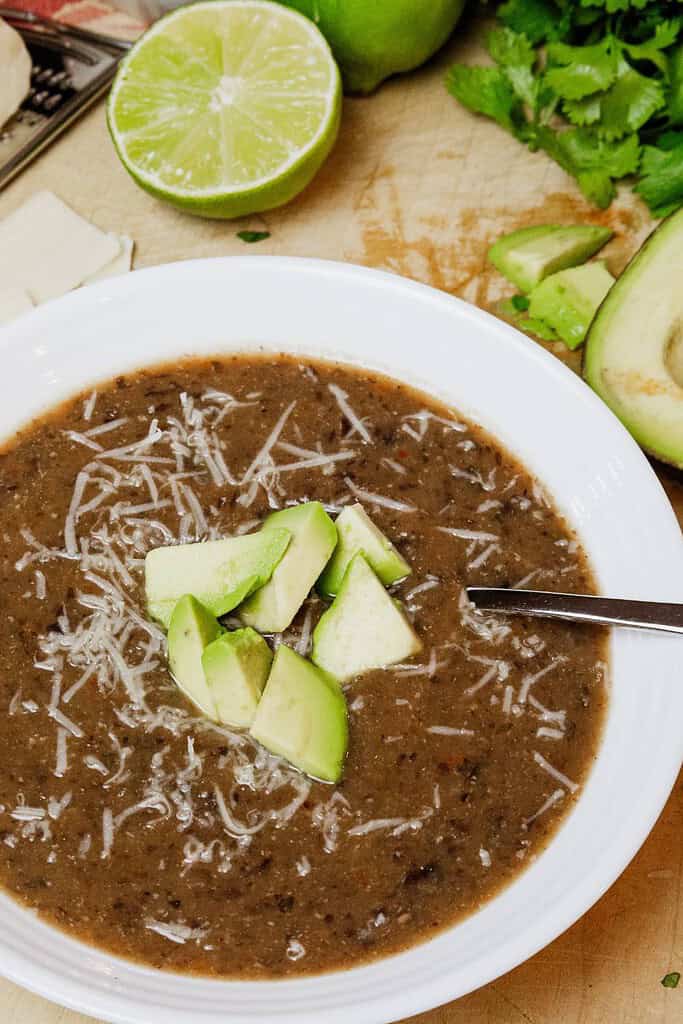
[(372, 39)]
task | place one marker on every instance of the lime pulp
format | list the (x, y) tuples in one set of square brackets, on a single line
[(227, 107)]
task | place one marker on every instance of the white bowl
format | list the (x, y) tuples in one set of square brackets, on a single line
[(547, 417)]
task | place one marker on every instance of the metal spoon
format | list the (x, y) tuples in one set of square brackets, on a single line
[(606, 611)]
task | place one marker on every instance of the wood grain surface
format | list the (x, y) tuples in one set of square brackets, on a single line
[(418, 186)]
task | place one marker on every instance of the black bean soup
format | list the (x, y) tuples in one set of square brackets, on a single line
[(132, 822)]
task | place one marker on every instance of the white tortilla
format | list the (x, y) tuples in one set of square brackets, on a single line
[(121, 264), (46, 249), (15, 71), (13, 302)]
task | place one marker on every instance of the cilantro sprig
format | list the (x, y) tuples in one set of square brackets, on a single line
[(596, 84)]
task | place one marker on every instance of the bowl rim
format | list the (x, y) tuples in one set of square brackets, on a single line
[(119, 1006)]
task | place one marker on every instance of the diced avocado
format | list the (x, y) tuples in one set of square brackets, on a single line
[(191, 629), (568, 301), (236, 667), (314, 536), (529, 255), (357, 532), (364, 628), (539, 328), (220, 573), (302, 716), (634, 349)]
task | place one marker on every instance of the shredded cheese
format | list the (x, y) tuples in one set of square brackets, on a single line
[(61, 763), (555, 773), (553, 799), (378, 499), (448, 730), (356, 423)]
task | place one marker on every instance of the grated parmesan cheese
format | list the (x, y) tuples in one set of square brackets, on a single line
[(295, 950), (448, 730), (303, 866), (356, 423), (176, 932), (326, 816), (555, 773), (480, 536), (41, 587), (107, 832), (554, 798), (378, 499), (396, 826), (421, 588), (544, 732), (530, 680), (61, 762)]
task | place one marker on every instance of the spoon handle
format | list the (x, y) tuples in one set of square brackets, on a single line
[(608, 611)]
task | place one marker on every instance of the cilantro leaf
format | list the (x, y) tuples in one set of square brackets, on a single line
[(525, 86), (582, 112), (594, 162), (597, 186), (253, 236), (653, 160), (639, 27), (485, 91), (520, 302), (510, 48), (675, 95), (516, 56), (612, 6), (577, 71), (536, 19), (623, 108), (588, 153), (590, 82), (629, 102), (671, 980), (669, 140), (666, 33), (661, 182)]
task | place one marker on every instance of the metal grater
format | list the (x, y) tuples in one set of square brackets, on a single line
[(71, 68)]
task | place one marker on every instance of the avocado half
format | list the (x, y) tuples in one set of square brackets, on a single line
[(634, 349)]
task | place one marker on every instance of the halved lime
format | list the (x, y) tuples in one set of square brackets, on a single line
[(226, 107)]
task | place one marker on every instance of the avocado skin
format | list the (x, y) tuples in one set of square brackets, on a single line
[(668, 233)]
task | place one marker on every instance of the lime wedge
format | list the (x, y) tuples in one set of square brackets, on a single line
[(227, 107)]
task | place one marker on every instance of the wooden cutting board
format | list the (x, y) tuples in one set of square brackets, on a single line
[(418, 186)]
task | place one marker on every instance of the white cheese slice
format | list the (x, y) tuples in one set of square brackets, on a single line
[(46, 249), (13, 302), (121, 264), (15, 71)]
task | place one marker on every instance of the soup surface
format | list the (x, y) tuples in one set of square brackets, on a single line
[(132, 822)]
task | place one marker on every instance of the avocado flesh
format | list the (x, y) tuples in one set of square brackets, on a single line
[(634, 349), (191, 629), (302, 717), (568, 301), (357, 532), (236, 667), (364, 628), (529, 255), (314, 537), (220, 573)]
